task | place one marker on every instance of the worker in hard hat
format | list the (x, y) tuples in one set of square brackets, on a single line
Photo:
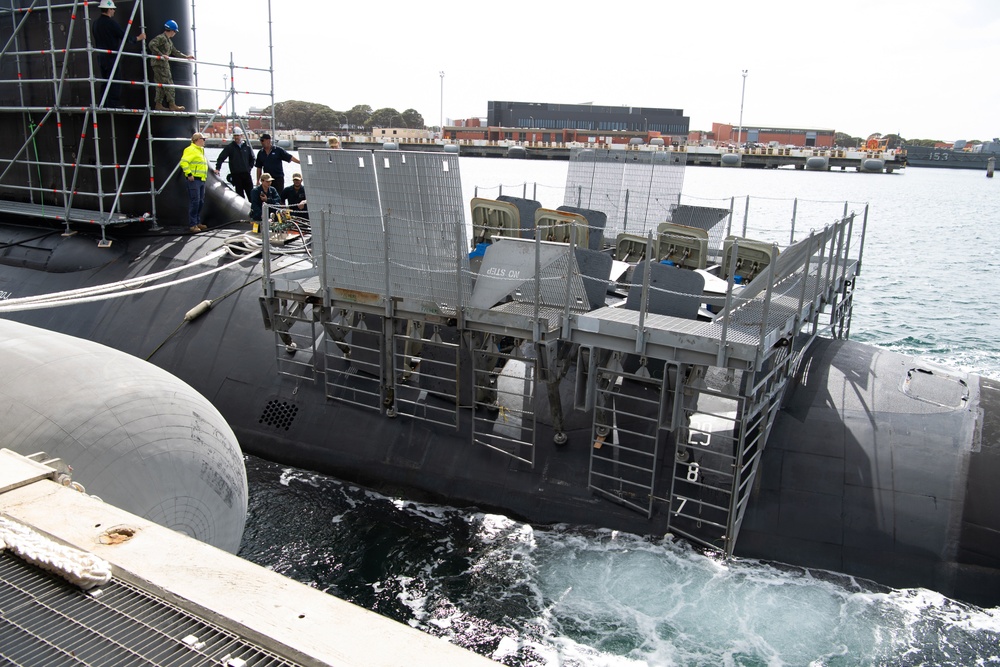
[(110, 38), (194, 166), (241, 161), (162, 47)]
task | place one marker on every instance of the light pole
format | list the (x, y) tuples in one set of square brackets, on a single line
[(442, 104), (739, 134)]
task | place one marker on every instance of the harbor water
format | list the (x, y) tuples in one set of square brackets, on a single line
[(544, 596)]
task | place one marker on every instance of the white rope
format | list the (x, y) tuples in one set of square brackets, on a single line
[(122, 284), (56, 300), (239, 246)]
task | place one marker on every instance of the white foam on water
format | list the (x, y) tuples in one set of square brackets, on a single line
[(570, 597), (663, 603), (289, 475)]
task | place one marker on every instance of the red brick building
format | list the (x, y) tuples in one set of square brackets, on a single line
[(727, 134)]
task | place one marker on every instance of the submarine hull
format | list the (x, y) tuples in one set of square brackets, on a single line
[(878, 466)]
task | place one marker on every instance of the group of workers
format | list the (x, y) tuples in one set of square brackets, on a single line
[(111, 38), (270, 188)]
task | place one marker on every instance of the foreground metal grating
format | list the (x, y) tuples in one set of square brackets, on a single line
[(47, 621)]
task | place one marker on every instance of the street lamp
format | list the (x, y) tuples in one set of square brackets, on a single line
[(739, 135), (442, 104)]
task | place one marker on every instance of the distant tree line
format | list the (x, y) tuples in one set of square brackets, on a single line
[(313, 117), (847, 141)]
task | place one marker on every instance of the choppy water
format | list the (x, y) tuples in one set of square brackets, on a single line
[(563, 596)]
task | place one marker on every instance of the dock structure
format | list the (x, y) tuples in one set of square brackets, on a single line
[(758, 157), (148, 595), (674, 386)]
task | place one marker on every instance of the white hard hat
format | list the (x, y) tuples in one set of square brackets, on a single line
[(107, 4), (237, 130)]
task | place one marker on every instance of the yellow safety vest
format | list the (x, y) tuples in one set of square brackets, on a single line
[(193, 162)]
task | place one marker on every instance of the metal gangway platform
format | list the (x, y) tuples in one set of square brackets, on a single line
[(397, 316)]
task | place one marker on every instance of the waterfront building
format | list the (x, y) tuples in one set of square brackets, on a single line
[(590, 118), (725, 133)]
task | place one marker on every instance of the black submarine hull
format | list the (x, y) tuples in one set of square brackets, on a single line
[(878, 465)]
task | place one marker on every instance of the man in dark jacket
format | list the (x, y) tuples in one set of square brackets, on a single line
[(109, 37), (269, 159), (263, 194), (241, 159), (294, 196)]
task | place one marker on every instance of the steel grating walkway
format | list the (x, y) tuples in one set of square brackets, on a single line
[(45, 620)]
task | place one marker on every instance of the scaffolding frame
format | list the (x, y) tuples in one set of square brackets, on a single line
[(115, 204)]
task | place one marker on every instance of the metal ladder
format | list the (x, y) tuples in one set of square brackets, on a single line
[(505, 386), (427, 372), (626, 440)]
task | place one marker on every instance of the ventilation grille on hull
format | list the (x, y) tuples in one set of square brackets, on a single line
[(279, 414)]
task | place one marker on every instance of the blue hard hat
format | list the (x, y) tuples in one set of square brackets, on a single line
[(171, 25)]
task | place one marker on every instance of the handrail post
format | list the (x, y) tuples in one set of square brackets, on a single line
[(720, 360), (640, 336), (828, 281), (795, 211), (265, 249), (746, 216), (767, 300), (459, 250), (536, 325), (571, 251), (324, 270), (864, 231), (810, 240)]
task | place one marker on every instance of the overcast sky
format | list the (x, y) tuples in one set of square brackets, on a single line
[(922, 68)]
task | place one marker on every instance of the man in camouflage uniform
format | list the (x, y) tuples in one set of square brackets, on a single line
[(163, 48)]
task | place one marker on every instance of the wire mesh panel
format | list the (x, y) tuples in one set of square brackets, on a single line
[(414, 199), (343, 187), (637, 189), (421, 195)]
